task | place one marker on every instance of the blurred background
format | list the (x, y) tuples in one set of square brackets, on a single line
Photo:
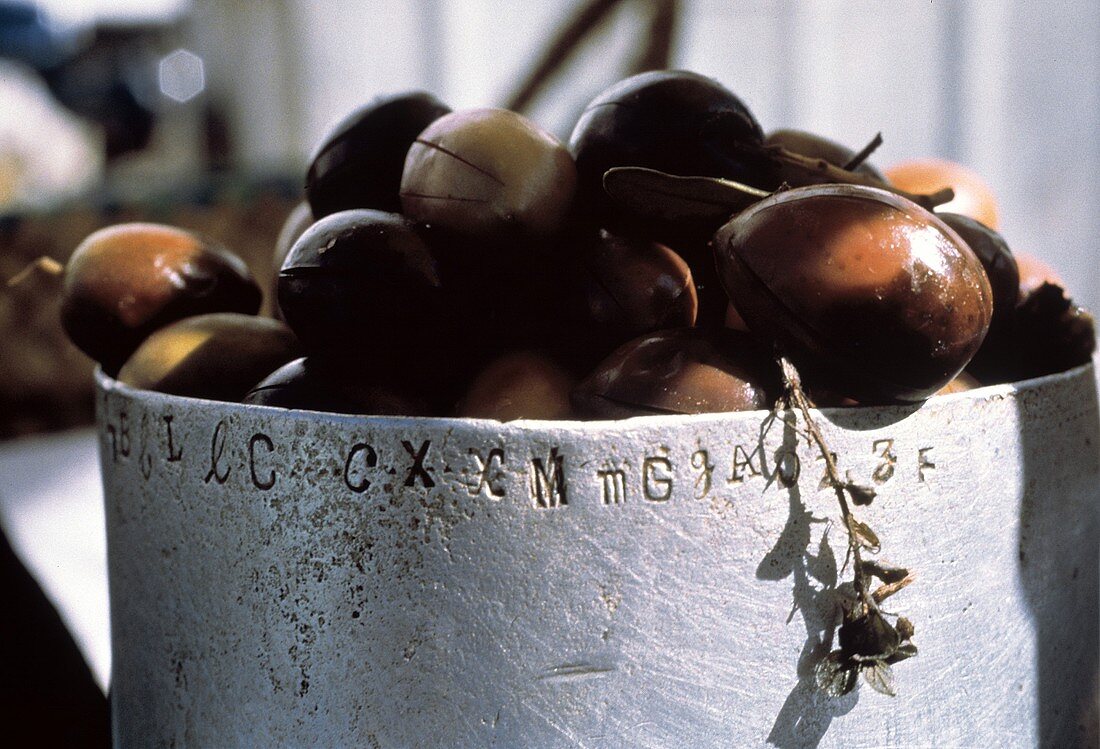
[(204, 114)]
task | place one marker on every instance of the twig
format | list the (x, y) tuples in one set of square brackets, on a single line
[(859, 158), (656, 51), (46, 265), (586, 17), (832, 473)]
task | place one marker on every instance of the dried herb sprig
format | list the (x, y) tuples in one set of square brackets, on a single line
[(869, 644)]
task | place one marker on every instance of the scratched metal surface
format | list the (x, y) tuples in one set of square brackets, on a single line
[(296, 579)]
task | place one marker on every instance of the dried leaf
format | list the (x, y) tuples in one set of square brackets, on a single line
[(835, 675), (869, 637), (673, 198), (905, 628), (880, 676), (864, 535), (885, 572), (905, 650), (861, 495)]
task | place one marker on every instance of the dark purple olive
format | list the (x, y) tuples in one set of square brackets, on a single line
[(295, 225), (519, 385), (670, 120), (360, 161), (819, 147), (217, 356), (363, 286), (996, 259), (312, 385), (125, 281), (684, 371), (491, 174), (866, 292)]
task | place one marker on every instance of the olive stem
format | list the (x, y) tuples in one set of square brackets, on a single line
[(797, 396), (45, 265), (859, 158), (797, 169)]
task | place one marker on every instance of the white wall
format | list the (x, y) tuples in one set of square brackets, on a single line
[(1009, 87)]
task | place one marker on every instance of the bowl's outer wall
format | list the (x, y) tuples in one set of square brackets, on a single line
[(296, 579)]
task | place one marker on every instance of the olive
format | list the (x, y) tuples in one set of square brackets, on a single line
[(863, 290), (733, 319), (1034, 273), (519, 385), (622, 288), (363, 286), (489, 173), (674, 121), (973, 197), (996, 259), (217, 356), (818, 147), (125, 281), (297, 221), (359, 163), (681, 371), (313, 385), (961, 384)]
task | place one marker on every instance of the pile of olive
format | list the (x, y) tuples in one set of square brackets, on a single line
[(468, 263)]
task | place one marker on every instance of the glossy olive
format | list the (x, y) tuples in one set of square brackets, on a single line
[(217, 356), (519, 385), (313, 385), (818, 147), (670, 120), (125, 281), (363, 286), (996, 259), (294, 226), (621, 288), (359, 163), (683, 371), (866, 292), (489, 173)]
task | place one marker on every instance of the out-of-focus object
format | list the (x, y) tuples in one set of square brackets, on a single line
[(46, 153), (973, 197), (45, 381)]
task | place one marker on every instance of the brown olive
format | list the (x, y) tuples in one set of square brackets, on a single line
[(488, 173), (620, 288), (996, 259), (217, 356), (818, 147), (961, 384), (359, 163), (519, 385), (862, 289), (683, 371), (314, 385), (125, 281)]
